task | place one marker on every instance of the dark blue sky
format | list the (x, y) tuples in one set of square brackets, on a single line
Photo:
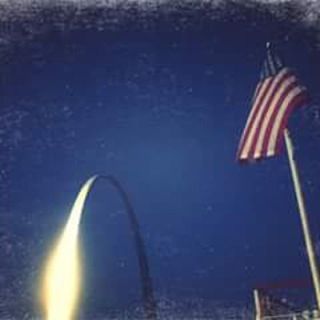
[(159, 100)]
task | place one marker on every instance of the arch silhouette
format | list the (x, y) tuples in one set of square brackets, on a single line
[(149, 303)]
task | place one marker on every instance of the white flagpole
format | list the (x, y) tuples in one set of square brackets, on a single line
[(304, 218), (257, 304)]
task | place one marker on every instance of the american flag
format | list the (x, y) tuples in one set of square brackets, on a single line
[(277, 94)]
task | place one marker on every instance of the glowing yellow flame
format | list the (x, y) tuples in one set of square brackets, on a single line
[(63, 273)]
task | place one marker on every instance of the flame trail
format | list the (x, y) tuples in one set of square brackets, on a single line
[(62, 272)]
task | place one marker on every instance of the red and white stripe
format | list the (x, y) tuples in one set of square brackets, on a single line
[(275, 97)]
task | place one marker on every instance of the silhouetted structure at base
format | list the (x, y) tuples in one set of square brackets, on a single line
[(270, 307)]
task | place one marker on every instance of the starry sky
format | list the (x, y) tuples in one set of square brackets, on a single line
[(158, 98)]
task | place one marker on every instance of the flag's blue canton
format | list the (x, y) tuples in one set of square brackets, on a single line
[(271, 66)]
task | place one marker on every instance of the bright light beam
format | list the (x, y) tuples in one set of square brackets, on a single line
[(63, 269), (62, 274)]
